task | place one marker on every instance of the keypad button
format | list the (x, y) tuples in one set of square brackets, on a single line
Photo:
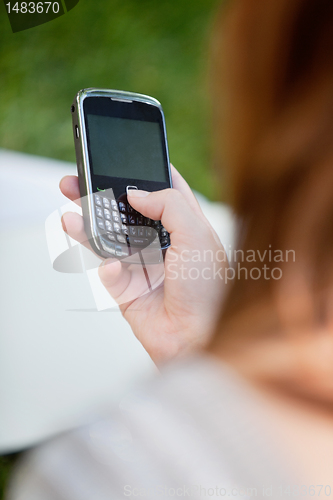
[(115, 217), (106, 203), (114, 205), (123, 218), (148, 222), (108, 225), (165, 242), (124, 229), (108, 246), (149, 232), (121, 239), (133, 231), (156, 224), (141, 231), (122, 207), (111, 237), (100, 223), (99, 212), (140, 220), (119, 251), (164, 233), (116, 228), (155, 243), (130, 209), (139, 241), (131, 219), (98, 200), (107, 214)]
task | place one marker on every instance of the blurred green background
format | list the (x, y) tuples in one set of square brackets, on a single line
[(156, 47)]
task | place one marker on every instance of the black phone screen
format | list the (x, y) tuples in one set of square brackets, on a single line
[(125, 141), (123, 147)]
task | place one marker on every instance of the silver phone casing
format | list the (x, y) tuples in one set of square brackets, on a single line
[(83, 165)]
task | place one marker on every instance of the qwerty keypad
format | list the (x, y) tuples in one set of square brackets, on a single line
[(121, 227)]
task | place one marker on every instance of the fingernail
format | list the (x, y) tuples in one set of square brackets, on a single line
[(63, 224), (107, 261), (137, 193)]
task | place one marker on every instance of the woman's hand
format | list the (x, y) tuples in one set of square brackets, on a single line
[(178, 315)]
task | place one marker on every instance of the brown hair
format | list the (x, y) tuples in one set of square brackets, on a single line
[(273, 85)]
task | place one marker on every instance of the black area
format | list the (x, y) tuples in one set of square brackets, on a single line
[(22, 21), (120, 147), (133, 110), (138, 112), (70, 4)]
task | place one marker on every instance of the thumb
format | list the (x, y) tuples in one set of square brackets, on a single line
[(169, 206)]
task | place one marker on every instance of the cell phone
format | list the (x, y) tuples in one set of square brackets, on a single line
[(120, 144)]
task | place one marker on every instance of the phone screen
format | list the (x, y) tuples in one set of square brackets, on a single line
[(126, 144), (123, 147)]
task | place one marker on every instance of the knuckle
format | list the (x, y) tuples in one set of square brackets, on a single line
[(173, 195)]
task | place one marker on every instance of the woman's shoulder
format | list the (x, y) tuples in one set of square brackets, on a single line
[(194, 428)]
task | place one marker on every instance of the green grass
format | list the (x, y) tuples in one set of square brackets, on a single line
[(156, 47), (6, 466)]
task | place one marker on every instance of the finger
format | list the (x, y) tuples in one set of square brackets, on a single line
[(181, 185), (171, 207), (72, 224), (115, 277), (124, 284), (69, 186)]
